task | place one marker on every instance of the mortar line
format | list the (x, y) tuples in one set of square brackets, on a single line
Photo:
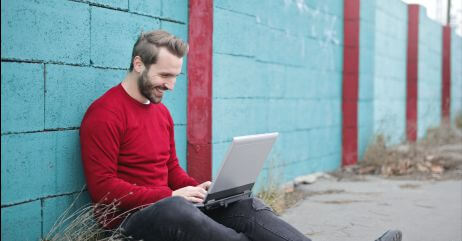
[(44, 94), (41, 198), (128, 11), (41, 218), (237, 12), (236, 55), (13, 60), (40, 131), (276, 63)]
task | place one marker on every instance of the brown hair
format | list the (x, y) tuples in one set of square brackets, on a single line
[(148, 44)]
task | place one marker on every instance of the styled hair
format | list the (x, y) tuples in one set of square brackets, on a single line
[(148, 44)]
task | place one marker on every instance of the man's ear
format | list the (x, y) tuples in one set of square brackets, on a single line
[(138, 65)]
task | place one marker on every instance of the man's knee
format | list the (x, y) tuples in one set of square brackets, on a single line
[(172, 203), (176, 210), (252, 204)]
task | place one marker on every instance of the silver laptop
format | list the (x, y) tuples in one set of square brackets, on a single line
[(239, 170)]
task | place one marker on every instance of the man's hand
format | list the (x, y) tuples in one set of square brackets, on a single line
[(194, 194), (205, 185)]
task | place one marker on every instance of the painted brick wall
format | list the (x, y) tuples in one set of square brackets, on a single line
[(429, 72), (57, 57), (382, 89), (367, 37), (390, 70), (278, 67), (456, 75)]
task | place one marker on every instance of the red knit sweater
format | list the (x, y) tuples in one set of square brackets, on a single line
[(128, 152)]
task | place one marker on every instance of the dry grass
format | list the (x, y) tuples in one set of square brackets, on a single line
[(273, 192), (458, 121), (423, 157), (81, 225)]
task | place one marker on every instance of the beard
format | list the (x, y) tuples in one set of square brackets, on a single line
[(147, 89)]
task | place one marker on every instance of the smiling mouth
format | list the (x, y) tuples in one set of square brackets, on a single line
[(160, 90)]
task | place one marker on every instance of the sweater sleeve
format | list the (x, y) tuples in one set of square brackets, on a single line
[(100, 137), (177, 177)]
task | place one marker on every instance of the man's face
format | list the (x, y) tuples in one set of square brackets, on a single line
[(159, 77)]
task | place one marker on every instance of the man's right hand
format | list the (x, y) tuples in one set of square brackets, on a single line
[(193, 194)]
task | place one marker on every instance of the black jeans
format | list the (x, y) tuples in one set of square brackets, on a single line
[(177, 219)]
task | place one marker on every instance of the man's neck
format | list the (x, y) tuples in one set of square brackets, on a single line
[(130, 85)]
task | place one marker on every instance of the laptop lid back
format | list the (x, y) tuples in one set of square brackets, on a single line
[(242, 164)]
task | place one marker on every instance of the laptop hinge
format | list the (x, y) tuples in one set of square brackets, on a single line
[(226, 201)]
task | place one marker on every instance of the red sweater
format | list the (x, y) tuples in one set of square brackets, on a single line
[(128, 152)]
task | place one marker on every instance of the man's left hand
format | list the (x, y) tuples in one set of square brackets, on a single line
[(205, 185)]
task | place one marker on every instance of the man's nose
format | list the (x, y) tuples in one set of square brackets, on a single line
[(170, 84)]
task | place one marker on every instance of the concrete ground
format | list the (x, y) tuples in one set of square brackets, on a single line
[(363, 210)]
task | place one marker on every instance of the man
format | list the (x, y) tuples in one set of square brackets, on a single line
[(129, 158)]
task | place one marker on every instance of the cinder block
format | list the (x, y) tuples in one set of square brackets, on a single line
[(113, 35), (49, 30), (177, 29), (151, 8), (235, 76), (22, 97), (181, 144), (67, 169), (277, 81), (50, 161), (59, 212), (365, 113), (233, 113), (298, 81), (234, 33), (241, 6), (66, 84), (21, 222), (26, 155), (366, 35), (175, 10), (119, 4)]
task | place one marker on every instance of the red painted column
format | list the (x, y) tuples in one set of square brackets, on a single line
[(412, 71), (199, 120), (350, 82), (446, 76)]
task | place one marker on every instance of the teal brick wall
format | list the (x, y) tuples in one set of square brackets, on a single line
[(57, 57), (278, 67), (367, 35), (382, 80), (456, 75), (390, 70), (429, 74)]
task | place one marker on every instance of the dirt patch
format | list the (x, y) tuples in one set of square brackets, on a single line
[(409, 186), (438, 156)]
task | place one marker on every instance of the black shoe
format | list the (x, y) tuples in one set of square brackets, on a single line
[(391, 235)]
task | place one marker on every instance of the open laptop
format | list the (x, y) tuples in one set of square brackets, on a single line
[(239, 170)]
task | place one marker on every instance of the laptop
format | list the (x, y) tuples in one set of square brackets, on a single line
[(239, 170)]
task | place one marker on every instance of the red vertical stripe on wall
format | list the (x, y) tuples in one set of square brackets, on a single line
[(446, 78), (199, 125), (412, 71), (350, 82)]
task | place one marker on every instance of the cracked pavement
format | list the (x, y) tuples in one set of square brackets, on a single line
[(352, 210)]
